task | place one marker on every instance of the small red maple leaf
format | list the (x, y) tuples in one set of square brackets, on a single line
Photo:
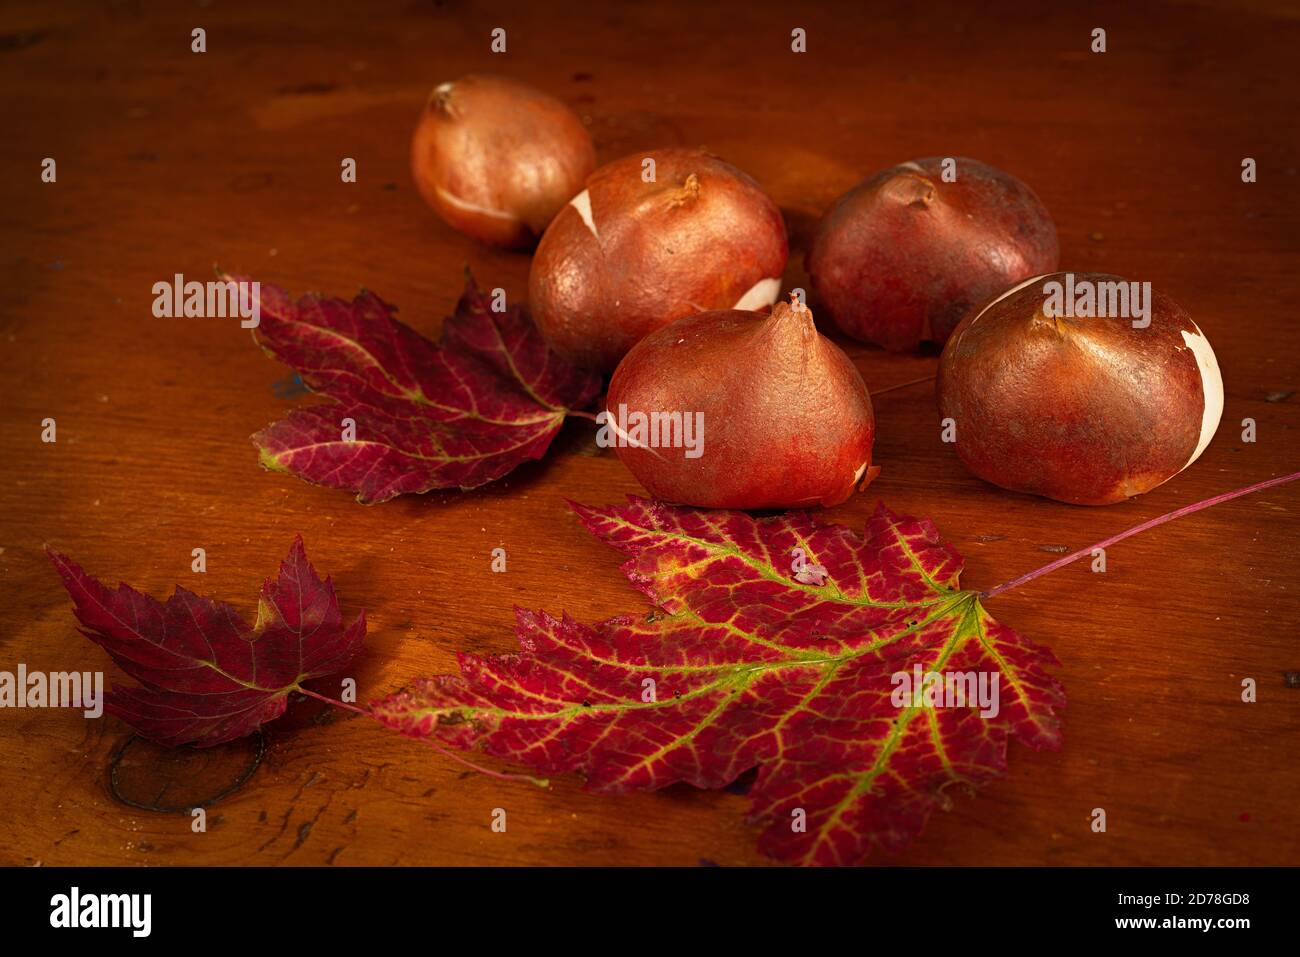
[(488, 397), (748, 667), (206, 677)]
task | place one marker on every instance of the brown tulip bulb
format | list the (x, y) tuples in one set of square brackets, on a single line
[(737, 409), (497, 159), (651, 239), (1081, 387), (904, 256)]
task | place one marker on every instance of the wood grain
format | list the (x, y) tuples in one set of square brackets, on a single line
[(170, 161)]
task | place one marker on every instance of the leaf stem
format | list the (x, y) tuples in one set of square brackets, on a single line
[(338, 704), (499, 775), (902, 385), (1152, 523)]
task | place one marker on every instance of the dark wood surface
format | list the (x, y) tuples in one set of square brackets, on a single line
[(169, 161)]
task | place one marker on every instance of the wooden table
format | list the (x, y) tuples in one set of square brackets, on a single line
[(170, 161)]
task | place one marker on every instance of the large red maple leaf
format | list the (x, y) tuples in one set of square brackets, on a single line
[(488, 397), (747, 665), (206, 676)]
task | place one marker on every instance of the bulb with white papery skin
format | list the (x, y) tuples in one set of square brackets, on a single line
[(630, 254), (498, 159), (770, 413), (903, 256), (1086, 409)]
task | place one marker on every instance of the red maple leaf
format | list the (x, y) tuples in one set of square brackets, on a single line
[(746, 666), (207, 677), (488, 397)]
